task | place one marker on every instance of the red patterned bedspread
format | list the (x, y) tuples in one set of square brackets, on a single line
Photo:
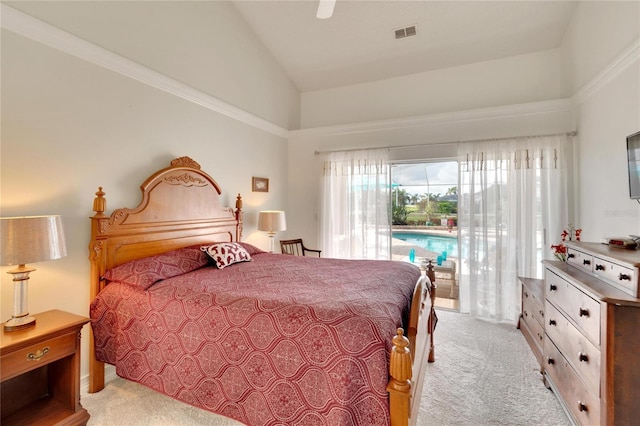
[(279, 340)]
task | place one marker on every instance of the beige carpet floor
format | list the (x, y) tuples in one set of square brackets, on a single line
[(484, 374)]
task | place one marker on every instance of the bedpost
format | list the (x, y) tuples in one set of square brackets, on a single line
[(238, 218), (96, 260), (433, 318), (399, 386)]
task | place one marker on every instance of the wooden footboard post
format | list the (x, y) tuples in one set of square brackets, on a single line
[(399, 386), (433, 318)]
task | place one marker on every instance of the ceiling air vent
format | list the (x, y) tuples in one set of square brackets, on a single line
[(405, 32)]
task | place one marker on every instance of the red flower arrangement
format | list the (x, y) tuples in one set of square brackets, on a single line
[(560, 250)]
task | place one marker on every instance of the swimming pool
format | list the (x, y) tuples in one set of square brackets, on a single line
[(434, 243)]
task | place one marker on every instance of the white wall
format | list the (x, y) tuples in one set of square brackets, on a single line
[(515, 80), (69, 126), (607, 111)]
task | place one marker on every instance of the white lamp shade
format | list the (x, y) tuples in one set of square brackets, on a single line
[(31, 239), (272, 221)]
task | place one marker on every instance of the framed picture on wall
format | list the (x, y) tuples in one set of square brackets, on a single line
[(259, 184)]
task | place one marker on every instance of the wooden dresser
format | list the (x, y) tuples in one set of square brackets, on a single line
[(531, 322), (592, 333), (40, 372)]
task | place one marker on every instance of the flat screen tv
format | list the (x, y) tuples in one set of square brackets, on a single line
[(633, 155)]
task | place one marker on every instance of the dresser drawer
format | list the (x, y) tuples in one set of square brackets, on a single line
[(37, 355), (580, 259), (581, 354), (621, 276), (583, 405), (581, 309), (532, 314), (534, 306)]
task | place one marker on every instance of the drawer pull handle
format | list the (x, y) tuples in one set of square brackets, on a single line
[(599, 267), (550, 360), (542, 314), (586, 262), (38, 355), (553, 287), (571, 255), (526, 294), (583, 357), (582, 406), (624, 277), (584, 312), (552, 322)]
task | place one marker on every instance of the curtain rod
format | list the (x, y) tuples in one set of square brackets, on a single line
[(573, 133)]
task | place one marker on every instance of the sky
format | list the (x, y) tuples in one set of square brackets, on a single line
[(422, 178)]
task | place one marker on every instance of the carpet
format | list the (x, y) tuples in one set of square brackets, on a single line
[(484, 374)]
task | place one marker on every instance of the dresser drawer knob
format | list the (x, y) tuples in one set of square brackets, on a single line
[(553, 287), (38, 355), (552, 322), (586, 262), (582, 406), (599, 267), (584, 312), (542, 314), (583, 357), (571, 255), (624, 277), (550, 360)]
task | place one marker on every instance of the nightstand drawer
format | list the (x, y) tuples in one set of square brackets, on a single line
[(37, 355)]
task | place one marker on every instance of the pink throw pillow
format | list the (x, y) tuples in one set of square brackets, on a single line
[(142, 273)]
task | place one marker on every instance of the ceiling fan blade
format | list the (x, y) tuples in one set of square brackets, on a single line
[(325, 9)]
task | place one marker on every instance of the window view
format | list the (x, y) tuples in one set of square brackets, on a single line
[(425, 217)]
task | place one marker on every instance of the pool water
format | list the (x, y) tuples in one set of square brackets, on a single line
[(434, 243)]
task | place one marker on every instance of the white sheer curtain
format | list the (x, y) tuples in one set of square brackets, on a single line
[(355, 205), (512, 206)]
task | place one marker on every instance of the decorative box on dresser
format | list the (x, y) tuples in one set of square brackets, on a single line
[(592, 333), (40, 372), (531, 322)]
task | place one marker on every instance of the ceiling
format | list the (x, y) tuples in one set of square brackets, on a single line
[(357, 43)]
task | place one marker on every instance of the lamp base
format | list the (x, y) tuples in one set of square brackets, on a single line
[(18, 323)]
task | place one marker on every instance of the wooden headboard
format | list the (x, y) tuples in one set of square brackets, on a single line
[(180, 207)]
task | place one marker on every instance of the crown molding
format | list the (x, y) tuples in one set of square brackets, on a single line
[(531, 108), (34, 29), (615, 68)]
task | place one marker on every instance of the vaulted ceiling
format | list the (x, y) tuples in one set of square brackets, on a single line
[(357, 44)]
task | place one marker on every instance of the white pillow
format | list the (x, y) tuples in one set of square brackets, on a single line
[(225, 254)]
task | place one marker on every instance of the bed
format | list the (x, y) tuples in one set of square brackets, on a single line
[(259, 337)]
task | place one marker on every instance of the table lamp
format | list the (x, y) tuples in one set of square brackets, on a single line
[(23, 240), (272, 221)]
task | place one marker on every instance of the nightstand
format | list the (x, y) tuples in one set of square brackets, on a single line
[(40, 372)]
